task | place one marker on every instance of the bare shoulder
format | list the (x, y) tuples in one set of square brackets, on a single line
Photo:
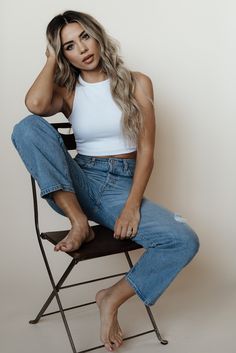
[(143, 87), (141, 77)]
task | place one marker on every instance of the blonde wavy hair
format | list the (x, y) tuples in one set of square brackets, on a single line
[(122, 80)]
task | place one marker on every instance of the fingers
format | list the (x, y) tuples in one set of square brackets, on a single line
[(50, 52), (126, 225), (129, 232), (117, 230), (121, 232), (135, 229), (125, 232)]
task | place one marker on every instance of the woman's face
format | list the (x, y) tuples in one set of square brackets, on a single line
[(79, 48)]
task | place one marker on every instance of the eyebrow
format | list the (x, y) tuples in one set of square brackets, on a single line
[(71, 41)]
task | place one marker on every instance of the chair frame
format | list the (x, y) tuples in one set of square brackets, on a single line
[(54, 237)]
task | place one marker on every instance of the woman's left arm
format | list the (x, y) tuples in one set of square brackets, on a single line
[(130, 215)]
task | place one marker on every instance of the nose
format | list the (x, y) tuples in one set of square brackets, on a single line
[(82, 48)]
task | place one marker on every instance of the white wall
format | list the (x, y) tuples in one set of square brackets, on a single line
[(188, 50)]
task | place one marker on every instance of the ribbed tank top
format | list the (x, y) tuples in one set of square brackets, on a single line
[(96, 120)]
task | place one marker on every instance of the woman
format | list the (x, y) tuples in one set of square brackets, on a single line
[(111, 111)]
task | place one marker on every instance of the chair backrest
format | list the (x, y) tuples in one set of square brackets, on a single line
[(68, 138)]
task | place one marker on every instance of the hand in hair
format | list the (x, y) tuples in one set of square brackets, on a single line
[(50, 52)]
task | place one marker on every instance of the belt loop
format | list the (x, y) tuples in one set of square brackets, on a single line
[(91, 161), (125, 165), (109, 165)]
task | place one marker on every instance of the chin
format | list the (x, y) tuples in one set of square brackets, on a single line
[(91, 67)]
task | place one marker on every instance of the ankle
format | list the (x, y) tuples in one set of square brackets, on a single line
[(109, 300), (79, 220)]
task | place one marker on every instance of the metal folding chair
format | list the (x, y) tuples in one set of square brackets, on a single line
[(104, 244)]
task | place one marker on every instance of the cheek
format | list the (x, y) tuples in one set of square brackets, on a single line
[(69, 57), (95, 45), (96, 49), (66, 55)]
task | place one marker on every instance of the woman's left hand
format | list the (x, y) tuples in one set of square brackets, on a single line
[(126, 225)]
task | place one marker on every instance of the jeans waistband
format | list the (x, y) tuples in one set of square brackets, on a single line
[(104, 159), (108, 162)]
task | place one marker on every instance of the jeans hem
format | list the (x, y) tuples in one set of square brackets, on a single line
[(44, 192), (138, 292)]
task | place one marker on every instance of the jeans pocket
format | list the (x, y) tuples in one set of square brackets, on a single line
[(83, 162)]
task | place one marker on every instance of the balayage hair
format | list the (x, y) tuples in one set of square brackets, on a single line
[(122, 81)]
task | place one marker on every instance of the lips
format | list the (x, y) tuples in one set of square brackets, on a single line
[(87, 57)]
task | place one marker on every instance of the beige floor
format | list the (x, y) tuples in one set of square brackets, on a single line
[(195, 316)]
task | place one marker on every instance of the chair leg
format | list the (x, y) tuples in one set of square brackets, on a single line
[(162, 341), (52, 295), (55, 294)]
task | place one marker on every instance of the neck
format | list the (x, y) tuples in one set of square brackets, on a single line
[(93, 76)]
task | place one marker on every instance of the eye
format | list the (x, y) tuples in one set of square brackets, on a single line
[(86, 36), (69, 47)]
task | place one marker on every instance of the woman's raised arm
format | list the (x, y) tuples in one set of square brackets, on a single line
[(43, 97)]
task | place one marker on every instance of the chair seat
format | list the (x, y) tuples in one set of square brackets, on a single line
[(103, 244)]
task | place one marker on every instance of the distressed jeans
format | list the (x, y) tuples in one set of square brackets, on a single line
[(102, 186)]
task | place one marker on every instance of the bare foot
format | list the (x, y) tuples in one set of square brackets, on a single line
[(110, 331), (74, 239)]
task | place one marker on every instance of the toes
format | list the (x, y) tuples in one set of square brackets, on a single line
[(108, 346), (120, 333), (116, 339), (60, 246), (120, 338), (64, 246), (117, 342)]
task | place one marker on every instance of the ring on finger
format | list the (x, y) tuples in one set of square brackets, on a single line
[(129, 232)]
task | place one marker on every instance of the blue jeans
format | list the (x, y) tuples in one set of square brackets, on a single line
[(102, 186)]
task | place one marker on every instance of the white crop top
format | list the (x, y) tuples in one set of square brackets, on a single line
[(96, 120)]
